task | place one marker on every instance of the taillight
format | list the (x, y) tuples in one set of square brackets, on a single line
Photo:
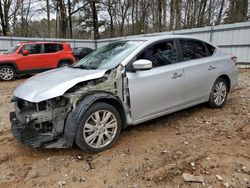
[(234, 59)]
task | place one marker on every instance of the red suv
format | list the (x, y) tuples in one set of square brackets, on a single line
[(34, 57)]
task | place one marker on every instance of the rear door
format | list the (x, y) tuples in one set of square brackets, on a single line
[(199, 69), (52, 54), (154, 91)]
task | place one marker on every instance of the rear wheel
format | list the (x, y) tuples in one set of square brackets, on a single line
[(7, 73), (218, 94), (99, 128), (64, 64)]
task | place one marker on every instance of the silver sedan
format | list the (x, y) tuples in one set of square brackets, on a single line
[(121, 84)]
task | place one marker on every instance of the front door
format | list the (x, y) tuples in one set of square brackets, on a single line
[(155, 91), (35, 58)]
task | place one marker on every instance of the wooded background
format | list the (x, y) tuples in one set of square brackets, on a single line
[(95, 19)]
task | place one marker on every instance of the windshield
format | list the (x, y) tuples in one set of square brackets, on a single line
[(109, 56), (12, 50)]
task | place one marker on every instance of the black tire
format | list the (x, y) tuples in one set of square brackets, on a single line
[(212, 99), (81, 136), (64, 64), (7, 73)]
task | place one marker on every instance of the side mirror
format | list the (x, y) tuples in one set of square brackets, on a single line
[(25, 52), (142, 64)]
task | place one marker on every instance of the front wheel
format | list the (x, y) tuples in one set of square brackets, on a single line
[(7, 73), (99, 128), (218, 94)]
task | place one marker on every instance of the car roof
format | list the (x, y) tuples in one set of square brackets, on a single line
[(40, 42), (160, 37)]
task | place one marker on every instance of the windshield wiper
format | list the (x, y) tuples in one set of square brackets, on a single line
[(81, 67)]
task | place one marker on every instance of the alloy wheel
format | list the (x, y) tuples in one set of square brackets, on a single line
[(219, 93), (100, 129), (6, 73)]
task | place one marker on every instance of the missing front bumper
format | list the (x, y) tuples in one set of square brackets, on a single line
[(27, 135)]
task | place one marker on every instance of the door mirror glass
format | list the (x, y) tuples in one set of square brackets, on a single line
[(25, 52), (142, 64)]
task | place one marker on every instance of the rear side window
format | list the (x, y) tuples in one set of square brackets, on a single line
[(33, 48), (51, 48), (192, 49), (210, 49), (160, 54)]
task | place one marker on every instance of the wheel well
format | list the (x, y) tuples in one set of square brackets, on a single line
[(227, 79), (11, 65), (118, 107), (65, 60)]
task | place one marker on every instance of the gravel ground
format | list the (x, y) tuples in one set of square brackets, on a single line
[(208, 146)]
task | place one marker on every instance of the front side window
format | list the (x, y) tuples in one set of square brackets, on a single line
[(164, 53), (192, 49), (33, 48), (109, 56), (52, 48)]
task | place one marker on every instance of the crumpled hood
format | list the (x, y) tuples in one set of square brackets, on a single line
[(54, 83)]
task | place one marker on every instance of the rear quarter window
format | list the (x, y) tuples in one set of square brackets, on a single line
[(51, 48), (210, 49)]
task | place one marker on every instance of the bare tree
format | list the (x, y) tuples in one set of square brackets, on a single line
[(84, 18), (172, 14), (238, 10), (111, 11), (178, 5), (4, 15), (48, 17), (159, 13), (95, 19), (62, 19)]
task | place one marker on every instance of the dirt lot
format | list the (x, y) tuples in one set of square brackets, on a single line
[(214, 144)]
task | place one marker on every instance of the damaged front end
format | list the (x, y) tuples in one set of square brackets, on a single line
[(50, 123), (35, 124)]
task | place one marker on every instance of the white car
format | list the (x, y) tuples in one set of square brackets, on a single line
[(123, 83)]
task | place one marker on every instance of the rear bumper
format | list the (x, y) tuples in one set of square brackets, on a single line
[(29, 136), (234, 78)]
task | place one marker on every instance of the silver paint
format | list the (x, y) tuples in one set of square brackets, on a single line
[(54, 83), (152, 93)]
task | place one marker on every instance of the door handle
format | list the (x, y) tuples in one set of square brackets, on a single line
[(176, 75), (211, 67)]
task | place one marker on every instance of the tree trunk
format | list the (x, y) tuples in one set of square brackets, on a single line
[(132, 17), (70, 20), (48, 18), (172, 12), (203, 13), (95, 20), (178, 5), (62, 21), (159, 20), (209, 13), (164, 15), (2, 20), (111, 14), (220, 13), (237, 11)]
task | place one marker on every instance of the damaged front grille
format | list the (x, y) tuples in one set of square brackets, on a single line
[(34, 124)]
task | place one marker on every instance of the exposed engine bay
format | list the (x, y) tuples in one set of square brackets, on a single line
[(44, 123)]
